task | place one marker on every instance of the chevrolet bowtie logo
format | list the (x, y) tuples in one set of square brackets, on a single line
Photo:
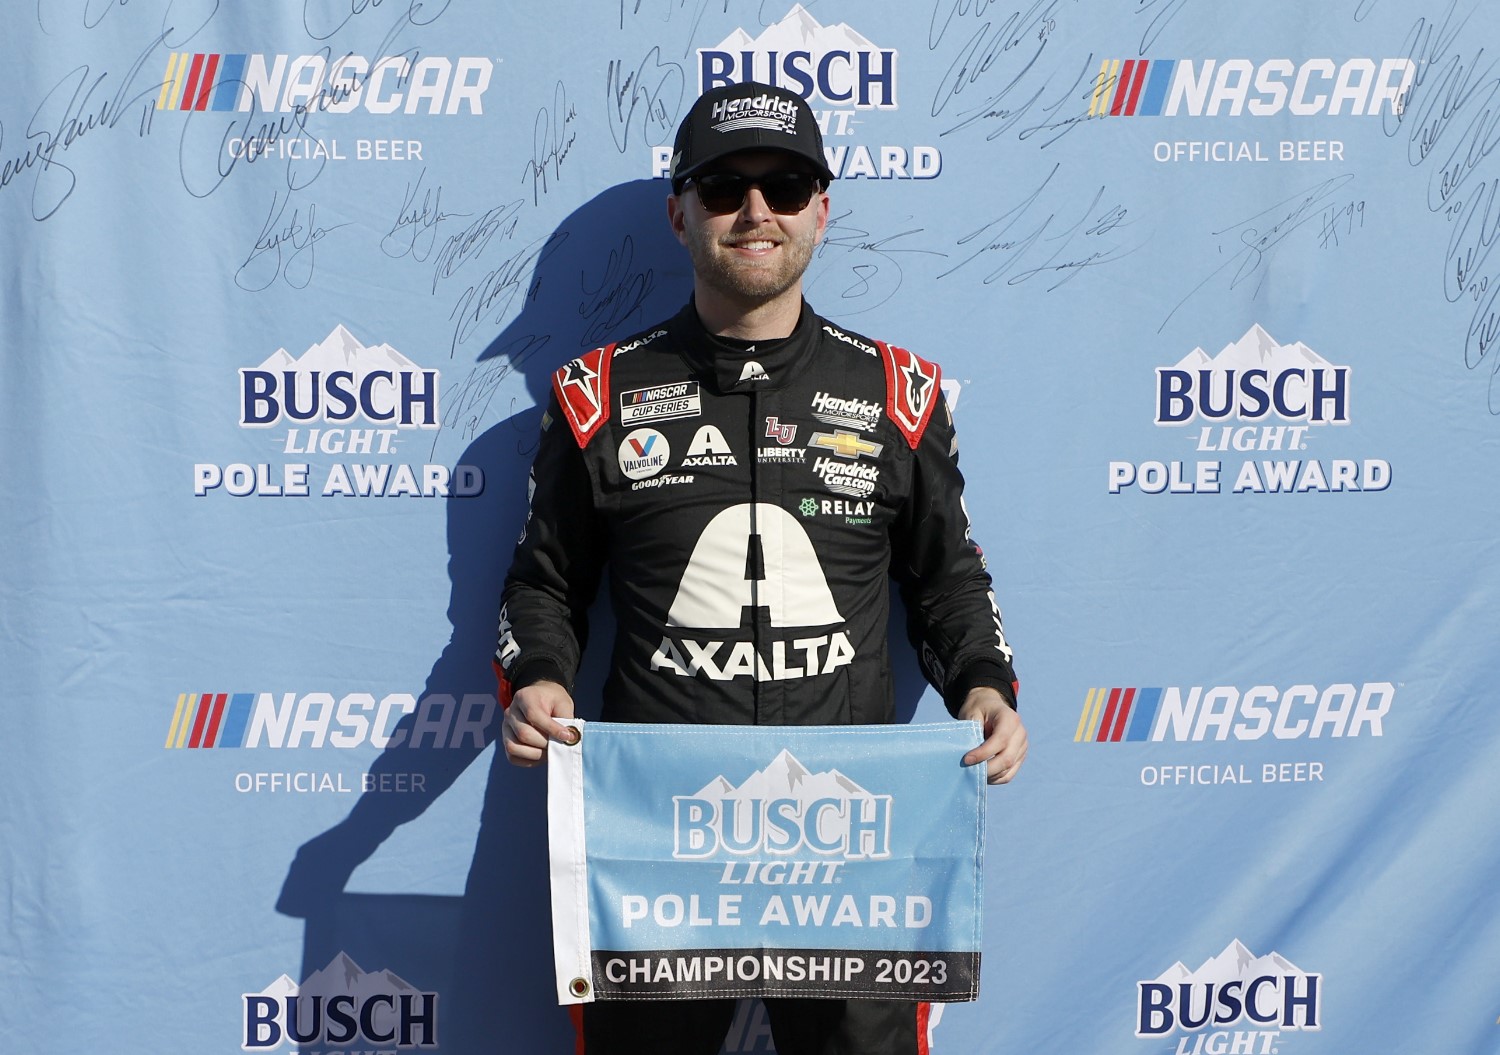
[(845, 444)]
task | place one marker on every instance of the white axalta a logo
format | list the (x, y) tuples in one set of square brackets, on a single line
[(1235, 1002), (715, 592), (786, 811), (341, 1005)]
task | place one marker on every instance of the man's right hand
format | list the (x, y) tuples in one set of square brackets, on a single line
[(529, 722)]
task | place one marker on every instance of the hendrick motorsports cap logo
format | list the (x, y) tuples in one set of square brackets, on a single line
[(786, 811), (755, 111), (341, 1005)]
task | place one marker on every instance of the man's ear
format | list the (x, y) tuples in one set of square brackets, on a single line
[(676, 217)]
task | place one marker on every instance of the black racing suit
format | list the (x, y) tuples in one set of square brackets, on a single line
[(751, 506)]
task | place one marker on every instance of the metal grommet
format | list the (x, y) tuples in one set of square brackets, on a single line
[(577, 735), (579, 987)]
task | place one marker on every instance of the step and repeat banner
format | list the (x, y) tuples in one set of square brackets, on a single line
[(1213, 292)]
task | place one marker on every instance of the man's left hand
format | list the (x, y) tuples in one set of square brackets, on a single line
[(1004, 747)]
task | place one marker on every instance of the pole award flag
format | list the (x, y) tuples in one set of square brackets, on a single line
[(696, 861)]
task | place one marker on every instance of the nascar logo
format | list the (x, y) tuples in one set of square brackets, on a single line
[(290, 83), (1113, 715), (1211, 87), (261, 719)]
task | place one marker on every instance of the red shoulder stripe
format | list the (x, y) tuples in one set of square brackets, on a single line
[(582, 388), (911, 390)]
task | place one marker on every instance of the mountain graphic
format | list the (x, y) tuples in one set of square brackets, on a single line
[(1256, 350), (1235, 963), (340, 350), (784, 778), (342, 976), (797, 31)]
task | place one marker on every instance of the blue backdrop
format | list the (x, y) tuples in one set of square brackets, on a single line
[(1212, 286)]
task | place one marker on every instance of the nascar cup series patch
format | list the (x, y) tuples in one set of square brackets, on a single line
[(693, 861)]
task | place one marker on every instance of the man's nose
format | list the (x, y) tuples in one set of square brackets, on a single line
[(754, 208)]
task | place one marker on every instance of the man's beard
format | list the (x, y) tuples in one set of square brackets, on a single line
[(749, 281)]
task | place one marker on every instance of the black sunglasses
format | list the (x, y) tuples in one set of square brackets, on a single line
[(784, 192)]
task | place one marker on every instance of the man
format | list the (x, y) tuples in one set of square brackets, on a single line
[(750, 475)]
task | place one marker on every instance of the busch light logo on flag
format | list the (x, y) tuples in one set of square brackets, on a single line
[(703, 861)]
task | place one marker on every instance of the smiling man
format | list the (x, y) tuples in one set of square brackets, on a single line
[(751, 476)]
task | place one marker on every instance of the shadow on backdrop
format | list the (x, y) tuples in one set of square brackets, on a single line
[(610, 268)]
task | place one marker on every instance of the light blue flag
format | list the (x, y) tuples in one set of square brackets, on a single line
[(703, 861)]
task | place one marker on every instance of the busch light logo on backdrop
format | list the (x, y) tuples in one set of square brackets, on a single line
[(340, 397), (341, 1006), (1250, 380), (786, 811), (824, 64), (1263, 402), (841, 73), (1235, 1002), (338, 380)]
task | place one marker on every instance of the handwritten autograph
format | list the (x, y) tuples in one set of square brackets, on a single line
[(414, 232), (551, 141), (644, 99), (988, 44), (621, 292), (1030, 240), (323, 18), (865, 267), (95, 11), (285, 248), (1258, 236), (459, 249), (466, 404), (490, 299), (1028, 115), (71, 111), (1451, 120)]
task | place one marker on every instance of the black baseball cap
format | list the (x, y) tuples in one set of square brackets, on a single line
[(748, 116)]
